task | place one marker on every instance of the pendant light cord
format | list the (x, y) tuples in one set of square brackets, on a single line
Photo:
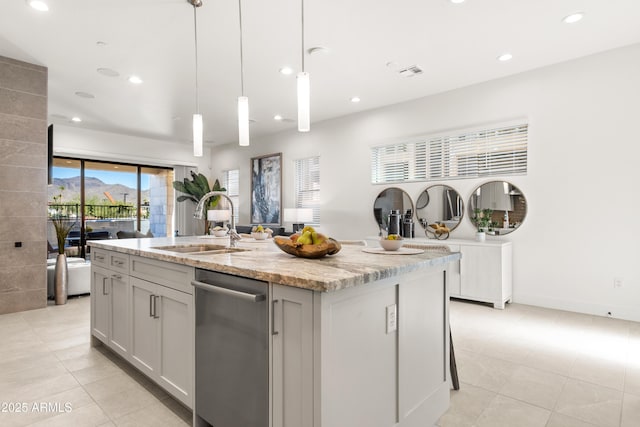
[(302, 45), (241, 52), (195, 34)]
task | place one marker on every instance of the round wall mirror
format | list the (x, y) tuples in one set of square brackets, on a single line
[(388, 200), (497, 207), (439, 204)]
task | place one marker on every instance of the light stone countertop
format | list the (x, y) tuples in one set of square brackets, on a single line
[(265, 261)]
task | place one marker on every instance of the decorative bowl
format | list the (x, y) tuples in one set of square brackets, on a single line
[(220, 233), (391, 245), (328, 247), (259, 235)]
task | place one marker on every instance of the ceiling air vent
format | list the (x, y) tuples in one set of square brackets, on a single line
[(410, 71)]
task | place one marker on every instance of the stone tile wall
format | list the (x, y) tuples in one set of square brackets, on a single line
[(23, 185)]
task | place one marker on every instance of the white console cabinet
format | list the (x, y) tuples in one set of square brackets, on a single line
[(484, 273)]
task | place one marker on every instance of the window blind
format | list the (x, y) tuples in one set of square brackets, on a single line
[(307, 185), (231, 181), (498, 151), (398, 162)]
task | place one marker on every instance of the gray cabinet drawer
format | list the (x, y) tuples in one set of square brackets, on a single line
[(175, 276)]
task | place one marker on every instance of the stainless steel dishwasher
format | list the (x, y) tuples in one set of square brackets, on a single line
[(232, 359)]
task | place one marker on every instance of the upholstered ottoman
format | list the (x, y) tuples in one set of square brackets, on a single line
[(79, 276)]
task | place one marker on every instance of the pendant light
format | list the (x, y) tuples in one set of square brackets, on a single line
[(243, 101), (197, 117), (304, 88)]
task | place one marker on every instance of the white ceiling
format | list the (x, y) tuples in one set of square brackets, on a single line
[(456, 45)]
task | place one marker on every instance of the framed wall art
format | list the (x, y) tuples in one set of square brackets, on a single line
[(266, 189)]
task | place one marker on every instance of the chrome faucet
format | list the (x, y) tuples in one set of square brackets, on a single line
[(199, 214)]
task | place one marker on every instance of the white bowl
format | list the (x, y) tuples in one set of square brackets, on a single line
[(391, 245), (262, 235), (220, 233)]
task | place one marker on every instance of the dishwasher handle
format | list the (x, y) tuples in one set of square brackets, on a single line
[(238, 294)]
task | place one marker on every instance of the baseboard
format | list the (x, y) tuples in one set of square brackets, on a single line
[(616, 312)]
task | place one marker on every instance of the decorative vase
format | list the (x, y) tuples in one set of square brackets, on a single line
[(61, 279), (481, 236)]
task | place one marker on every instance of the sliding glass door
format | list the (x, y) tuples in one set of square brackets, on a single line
[(105, 198)]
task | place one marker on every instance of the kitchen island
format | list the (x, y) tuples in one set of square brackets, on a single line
[(354, 339)]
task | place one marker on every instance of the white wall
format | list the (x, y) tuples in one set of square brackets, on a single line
[(581, 187)]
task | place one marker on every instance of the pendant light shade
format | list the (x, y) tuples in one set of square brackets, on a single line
[(197, 135), (304, 115), (243, 101), (243, 121)]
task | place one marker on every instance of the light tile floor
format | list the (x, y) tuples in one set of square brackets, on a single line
[(50, 376), (529, 366), (518, 367)]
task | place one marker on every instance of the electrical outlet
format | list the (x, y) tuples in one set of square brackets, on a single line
[(617, 282), (392, 318)]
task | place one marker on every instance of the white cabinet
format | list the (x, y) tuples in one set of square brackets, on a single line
[(292, 360), (109, 308), (99, 304), (162, 345), (143, 310), (486, 273)]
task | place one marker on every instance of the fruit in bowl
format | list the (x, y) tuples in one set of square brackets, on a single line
[(392, 242), (261, 233), (307, 244)]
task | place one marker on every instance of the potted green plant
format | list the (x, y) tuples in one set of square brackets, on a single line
[(62, 225), (195, 188), (482, 220)]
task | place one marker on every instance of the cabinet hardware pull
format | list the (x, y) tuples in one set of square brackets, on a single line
[(116, 276), (104, 286), (273, 317), (155, 307), (118, 262), (151, 299), (99, 257), (230, 292)]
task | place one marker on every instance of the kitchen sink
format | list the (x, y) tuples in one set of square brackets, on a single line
[(199, 249)]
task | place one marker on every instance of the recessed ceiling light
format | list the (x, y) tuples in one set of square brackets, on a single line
[(277, 117), (574, 17), (76, 119), (39, 5), (456, 1), (135, 80), (317, 49), (108, 72), (286, 71), (505, 57), (86, 95), (355, 99)]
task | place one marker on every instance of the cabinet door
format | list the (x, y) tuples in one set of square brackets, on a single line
[(292, 345), (174, 314), (119, 313), (480, 272), (100, 304), (144, 330)]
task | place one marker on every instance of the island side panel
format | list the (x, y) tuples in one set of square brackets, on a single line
[(423, 348), (358, 357), (377, 377)]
